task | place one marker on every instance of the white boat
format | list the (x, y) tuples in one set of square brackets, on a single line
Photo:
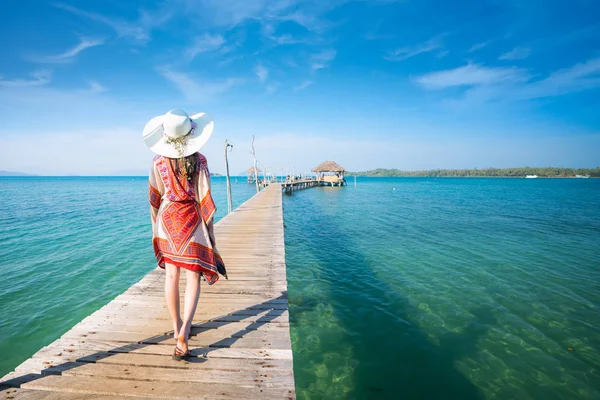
[(531, 176), (582, 176)]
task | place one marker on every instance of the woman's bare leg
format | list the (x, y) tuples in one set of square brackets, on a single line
[(172, 296), (192, 293)]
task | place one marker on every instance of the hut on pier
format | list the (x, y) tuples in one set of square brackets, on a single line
[(252, 176), (330, 173)]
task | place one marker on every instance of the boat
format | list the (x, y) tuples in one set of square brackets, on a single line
[(531, 176), (582, 176)]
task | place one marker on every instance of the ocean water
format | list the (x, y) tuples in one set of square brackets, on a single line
[(70, 245), (445, 289), (399, 288)]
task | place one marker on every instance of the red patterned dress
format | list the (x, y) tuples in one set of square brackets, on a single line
[(182, 219)]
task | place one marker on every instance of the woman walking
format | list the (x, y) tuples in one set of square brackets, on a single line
[(182, 212)]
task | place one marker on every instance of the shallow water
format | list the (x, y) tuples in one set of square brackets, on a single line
[(70, 245), (446, 289)]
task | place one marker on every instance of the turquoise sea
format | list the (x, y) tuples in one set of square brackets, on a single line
[(400, 288)]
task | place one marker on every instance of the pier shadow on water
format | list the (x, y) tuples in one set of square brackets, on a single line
[(392, 357)]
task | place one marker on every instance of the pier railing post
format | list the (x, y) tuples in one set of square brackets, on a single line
[(255, 171), (228, 147)]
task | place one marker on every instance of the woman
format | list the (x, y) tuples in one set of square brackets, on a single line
[(182, 212)]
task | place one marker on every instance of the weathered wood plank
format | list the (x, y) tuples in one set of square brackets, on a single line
[(171, 390), (149, 360), (161, 319), (220, 325), (161, 339), (47, 358), (134, 336), (277, 378), (20, 394)]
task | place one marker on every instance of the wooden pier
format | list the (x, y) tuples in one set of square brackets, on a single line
[(289, 187), (240, 339)]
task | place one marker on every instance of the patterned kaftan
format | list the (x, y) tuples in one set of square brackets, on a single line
[(182, 219)]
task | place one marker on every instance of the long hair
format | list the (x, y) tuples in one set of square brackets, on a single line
[(185, 167)]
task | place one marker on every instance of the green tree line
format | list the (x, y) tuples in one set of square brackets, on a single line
[(548, 172)]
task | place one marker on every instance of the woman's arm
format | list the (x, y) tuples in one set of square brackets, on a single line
[(207, 205), (155, 190), (211, 224)]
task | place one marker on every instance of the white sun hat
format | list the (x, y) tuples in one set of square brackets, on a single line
[(167, 134)]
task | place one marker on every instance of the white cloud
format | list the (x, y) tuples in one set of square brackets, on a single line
[(95, 87), (272, 87), (577, 78), (225, 13), (78, 152), (85, 107), (442, 54), (518, 53), (378, 36), (138, 30), (286, 39), (310, 22), (511, 84), (310, 14), (204, 43), (69, 55), (41, 77), (231, 59), (261, 72), (290, 62), (303, 85), (230, 13), (195, 89), (268, 29), (403, 53), (479, 46), (321, 60), (471, 75)]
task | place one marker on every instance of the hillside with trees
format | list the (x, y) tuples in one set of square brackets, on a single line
[(549, 172)]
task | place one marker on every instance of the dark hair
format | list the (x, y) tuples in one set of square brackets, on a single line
[(185, 167)]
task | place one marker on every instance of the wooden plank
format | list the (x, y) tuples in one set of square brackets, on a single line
[(171, 390), (21, 394), (277, 378), (150, 360), (163, 318), (237, 304), (48, 358), (34, 365), (220, 325), (121, 334), (240, 340), (160, 339)]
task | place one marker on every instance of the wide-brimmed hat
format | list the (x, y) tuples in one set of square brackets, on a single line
[(176, 134)]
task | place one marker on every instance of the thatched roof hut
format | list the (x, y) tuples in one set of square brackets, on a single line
[(329, 166), (251, 170)]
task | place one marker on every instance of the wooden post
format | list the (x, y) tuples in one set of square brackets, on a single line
[(265, 174), (228, 147), (255, 171)]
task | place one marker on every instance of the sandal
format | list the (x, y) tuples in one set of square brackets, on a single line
[(179, 354)]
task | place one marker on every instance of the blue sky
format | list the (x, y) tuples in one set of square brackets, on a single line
[(379, 83)]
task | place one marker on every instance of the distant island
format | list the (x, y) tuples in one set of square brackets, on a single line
[(487, 172)]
